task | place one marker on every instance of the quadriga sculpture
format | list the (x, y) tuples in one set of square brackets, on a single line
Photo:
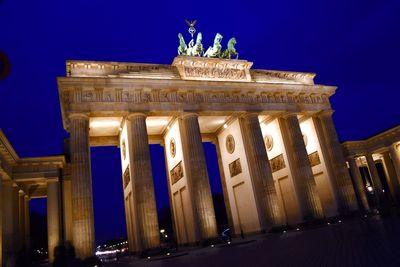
[(215, 50)]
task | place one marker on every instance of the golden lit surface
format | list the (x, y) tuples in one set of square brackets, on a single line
[(210, 124), (156, 125), (104, 126)]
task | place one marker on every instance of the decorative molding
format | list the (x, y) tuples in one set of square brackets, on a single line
[(277, 163), (77, 96), (213, 69), (235, 167), (270, 76), (176, 173)]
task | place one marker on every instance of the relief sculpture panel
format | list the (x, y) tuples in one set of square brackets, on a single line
[(176, 173), (277, 163), (314, 159), (235, 168)]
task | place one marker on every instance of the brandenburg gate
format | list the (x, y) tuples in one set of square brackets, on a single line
[(279, 156)]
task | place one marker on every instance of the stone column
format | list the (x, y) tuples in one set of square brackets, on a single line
[(336, 163), (394, 151), (15, 209), (2, 200), (391, 177), (140, 162), (378, 189), (81, 183), (53, 216), (67, 202), (300, 168), (359, 185), (10, 223), (21, 210), (260, 171), (27, 225), (197, 176)]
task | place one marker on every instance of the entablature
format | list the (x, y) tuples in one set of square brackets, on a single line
[(374, 144), (107, 96)]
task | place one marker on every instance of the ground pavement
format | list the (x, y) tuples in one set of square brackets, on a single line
[(372, 241)]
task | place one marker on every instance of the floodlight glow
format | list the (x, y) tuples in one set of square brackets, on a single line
[(104, 123)]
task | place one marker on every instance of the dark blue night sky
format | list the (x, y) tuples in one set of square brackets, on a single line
[(354, 45)]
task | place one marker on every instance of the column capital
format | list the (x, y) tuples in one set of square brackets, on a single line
[(186, 115), (248, 115), (52, 180), (285, 115), (130, 116), (351, 157), (82, 116), (396, 145), (325, 113)]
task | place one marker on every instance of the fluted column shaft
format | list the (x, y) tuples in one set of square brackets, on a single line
[(81, 183), (391, 177), (16, 229), (378, 189), (303, 178), (337, 165), (260, 171), (395, 155), (140, 162), (2, 200), (197, 176), (359, 185), (10, 208), (53, 217), (27, 223), (22, 218)]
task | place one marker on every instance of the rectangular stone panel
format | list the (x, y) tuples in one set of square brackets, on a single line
[(235, 167), (314, 159), (176, 173), (127, 177), (277, 163)]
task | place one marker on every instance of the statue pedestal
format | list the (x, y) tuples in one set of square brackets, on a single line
[(213, 69)]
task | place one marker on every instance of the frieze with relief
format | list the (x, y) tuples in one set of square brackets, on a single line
[(192, 97)]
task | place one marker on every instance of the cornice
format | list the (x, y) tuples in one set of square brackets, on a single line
[(7, 152), (374, 143)]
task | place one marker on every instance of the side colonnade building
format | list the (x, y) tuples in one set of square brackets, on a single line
[(279, 156), (23, 179), (374, 164)]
